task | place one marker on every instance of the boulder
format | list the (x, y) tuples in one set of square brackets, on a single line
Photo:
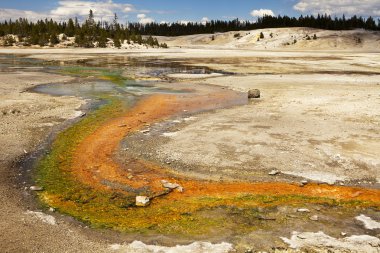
[(142, 201), (255, 93), (172, 186)]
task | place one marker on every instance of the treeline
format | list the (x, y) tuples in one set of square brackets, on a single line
[(215, 26), (88, 34)]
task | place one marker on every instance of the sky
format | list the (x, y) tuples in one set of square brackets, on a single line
[(146, 11)]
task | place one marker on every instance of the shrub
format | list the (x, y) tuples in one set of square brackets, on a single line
[(9, 41)]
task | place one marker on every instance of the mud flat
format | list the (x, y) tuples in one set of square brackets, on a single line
[(26, 120), (324, 128)]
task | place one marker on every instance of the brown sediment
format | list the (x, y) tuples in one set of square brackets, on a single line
[(93, 162)]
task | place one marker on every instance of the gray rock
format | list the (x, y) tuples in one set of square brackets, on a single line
[(274, 172), (255, 93), (171, 186)]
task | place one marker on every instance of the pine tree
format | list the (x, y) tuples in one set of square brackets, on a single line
[(54, 39), (70, 29), (117, 43), (91, 20), (102, 40), (43, 40)]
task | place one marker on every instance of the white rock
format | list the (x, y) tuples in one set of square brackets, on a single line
[(196, 247), (169, 134), (36, 188), (43, 217), (142, 201), (274, 173), (303, 210), (171, 186), (314, 218), (368, 222), (322, 242)]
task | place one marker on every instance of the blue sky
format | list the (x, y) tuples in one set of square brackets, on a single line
[(179, 10)]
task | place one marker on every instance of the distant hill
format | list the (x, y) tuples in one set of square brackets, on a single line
[(281, 38)]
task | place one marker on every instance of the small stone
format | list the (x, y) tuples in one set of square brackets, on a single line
[(274, 173), (145, 131), (343, 234), (51, 209), (36, 188), (314, 218), (303, 210), (255, 93), (180, 189), (142, 201), (130, 177), (304, 182), (171, 186)]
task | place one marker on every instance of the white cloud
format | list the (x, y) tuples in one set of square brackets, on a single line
[(14, 14), (103, 10), (205, 20), (184, 22), (143, 19), (261, 13), (339, 7)]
